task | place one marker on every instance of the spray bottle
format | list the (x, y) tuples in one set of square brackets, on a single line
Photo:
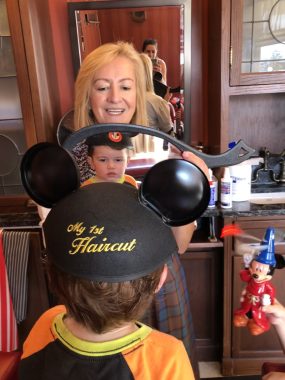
[(212, 202)]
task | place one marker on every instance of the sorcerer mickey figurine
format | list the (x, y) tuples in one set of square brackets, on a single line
[(259, 290)]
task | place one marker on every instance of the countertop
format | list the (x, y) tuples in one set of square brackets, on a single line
[(30, 218), (247, 209), (18, 212)]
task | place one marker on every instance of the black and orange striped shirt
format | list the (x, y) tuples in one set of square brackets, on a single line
[(52, 352)]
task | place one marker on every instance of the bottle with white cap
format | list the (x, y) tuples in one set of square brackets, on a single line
[(226, 189)]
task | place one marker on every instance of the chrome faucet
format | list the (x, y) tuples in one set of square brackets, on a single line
[(265, 168), (265, 154), (281, 177)]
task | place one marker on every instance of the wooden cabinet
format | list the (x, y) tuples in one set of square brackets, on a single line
[(242, 352), (244, 106), (257, 43), (203, 265)]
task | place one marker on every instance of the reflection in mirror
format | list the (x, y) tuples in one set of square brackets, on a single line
[(142, 151), (95, 23)]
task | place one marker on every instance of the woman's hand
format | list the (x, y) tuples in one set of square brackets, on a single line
[(191, 157), (274, 376), (275, 313), (183, 234)]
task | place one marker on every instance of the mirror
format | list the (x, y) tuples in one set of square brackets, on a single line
[(96, 22)]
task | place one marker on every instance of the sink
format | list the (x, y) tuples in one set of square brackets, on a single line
[(267, 198)]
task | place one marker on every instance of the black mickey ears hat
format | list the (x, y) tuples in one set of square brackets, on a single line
[(115, 140), (103, 233), (175, 189), (48, 173)]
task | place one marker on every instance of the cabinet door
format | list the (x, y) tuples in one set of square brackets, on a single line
[(244, 354), (204, 278), (257, 42), (244, 344)]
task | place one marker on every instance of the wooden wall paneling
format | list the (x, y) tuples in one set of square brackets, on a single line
[(199, 72), (260, 121), (217, 76), (62, 54)]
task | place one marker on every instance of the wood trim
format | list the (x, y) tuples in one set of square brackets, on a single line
[(225, 73), (16, 29), (236, 41), (36, 70), (40, 54), (257, 89), (251, 366), (227, 313)]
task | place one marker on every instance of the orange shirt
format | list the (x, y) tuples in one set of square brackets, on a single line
[(125, 179), (145, 354)]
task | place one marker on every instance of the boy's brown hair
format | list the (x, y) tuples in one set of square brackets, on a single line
[(103, 306)]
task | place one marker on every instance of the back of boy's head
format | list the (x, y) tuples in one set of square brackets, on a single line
[(115, 140), (106, 252)]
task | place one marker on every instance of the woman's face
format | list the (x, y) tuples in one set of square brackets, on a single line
[(113, 93), (151, 51)]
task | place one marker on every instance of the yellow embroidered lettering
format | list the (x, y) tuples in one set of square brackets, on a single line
[(114, 247), (131, 245), (80, 245), (96, 230), (77, 228)]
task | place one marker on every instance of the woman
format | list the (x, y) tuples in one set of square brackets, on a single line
[(158, 109), (150, 47), (110, 88)]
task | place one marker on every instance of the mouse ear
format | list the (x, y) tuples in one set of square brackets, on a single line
[(48, 173), (177, 190)]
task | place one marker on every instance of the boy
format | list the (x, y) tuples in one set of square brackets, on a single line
[(106, 259), (108, 157)]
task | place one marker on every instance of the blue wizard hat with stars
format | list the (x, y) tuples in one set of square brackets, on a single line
[(267, 255)]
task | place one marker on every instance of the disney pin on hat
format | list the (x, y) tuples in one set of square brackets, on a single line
[(115, 140), (102, 232), (267, 255)]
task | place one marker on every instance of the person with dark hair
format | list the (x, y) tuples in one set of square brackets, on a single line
[(105, 262), (150, 47)]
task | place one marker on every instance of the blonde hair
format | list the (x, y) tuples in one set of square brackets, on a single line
[(94, 61), (148, 72)]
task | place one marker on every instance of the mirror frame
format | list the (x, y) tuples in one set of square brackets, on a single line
[(105, 4)]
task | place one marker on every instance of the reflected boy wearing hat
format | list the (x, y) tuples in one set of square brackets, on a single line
[(108, 156), (105, 263)]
